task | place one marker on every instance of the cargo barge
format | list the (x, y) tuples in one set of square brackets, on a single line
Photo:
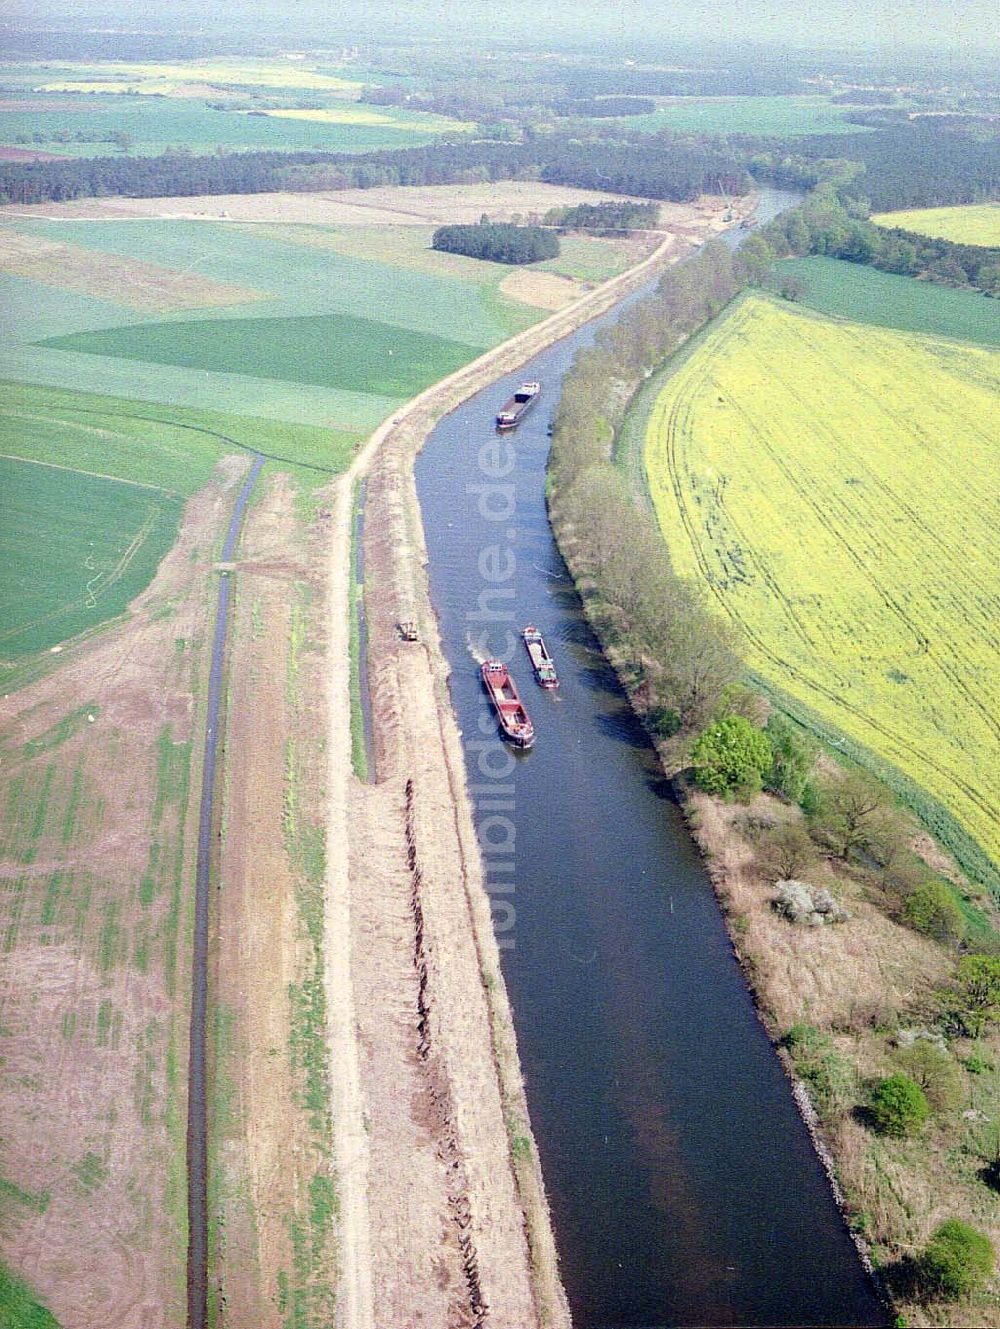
[(515, 408), (514, 720), (541, 662)]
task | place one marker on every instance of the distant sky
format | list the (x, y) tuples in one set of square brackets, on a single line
[(968, 24)]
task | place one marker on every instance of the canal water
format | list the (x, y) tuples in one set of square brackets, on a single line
[(683, 1185)]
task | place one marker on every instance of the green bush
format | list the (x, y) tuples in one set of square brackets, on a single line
[(933, 910), (731, 758), (956, 1262), (975, 1003), (794, 753), (898, 1106), (937, 1073), (809, 799), (829, 1076)]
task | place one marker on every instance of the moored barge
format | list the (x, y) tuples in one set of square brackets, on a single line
[(541, 662), (514, 719), (515, 408)]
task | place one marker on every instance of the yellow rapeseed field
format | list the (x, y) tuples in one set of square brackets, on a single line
[(973, 224), (838, 489), (109, 76), (356, 114)]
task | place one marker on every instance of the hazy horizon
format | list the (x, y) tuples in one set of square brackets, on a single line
[(969, 26)]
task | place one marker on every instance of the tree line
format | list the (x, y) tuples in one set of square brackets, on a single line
[(825, 225), (676, 654), (660, 166), (499, 242), (608, 217)]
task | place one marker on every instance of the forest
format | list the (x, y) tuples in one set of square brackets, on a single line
[(662, 167), (927, 162), (499, 242), (607, 218)]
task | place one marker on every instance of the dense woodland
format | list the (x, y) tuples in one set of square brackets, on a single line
[(676, 168), (608, 218), (499, 242), (920, 163)]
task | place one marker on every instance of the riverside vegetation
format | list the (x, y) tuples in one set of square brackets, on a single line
[(889, 1016)]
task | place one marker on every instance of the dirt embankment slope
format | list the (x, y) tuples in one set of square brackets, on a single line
[(441, 1223)]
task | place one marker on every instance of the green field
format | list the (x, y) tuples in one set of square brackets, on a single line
[(854, 291), (829, 484), (79, 110), (155, 125), (748, 115), (351, 323), (169, 447), (76, 548), (973, 224), (302, 271), (369, 277), (334, 351)]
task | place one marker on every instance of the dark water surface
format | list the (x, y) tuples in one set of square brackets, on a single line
[(683, 1185)]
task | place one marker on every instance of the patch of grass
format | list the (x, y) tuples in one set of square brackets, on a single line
[(144, 1089), (104, 1014), (111, 939), (19, 1307), (57, 734), (12, 1195), (324, 1208), (335, 351), (90, 1172), (589, 258), (864, 295), (824, 482), (69, 826), (308, 1048)]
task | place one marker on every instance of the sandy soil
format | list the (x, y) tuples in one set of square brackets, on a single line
[(389, 206), (129, 281), (543, 290), (90, 986), (30, 155), (419, 1013)]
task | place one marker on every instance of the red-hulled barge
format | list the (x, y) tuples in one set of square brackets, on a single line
[(515, 408), (514, 719), (541, 662)]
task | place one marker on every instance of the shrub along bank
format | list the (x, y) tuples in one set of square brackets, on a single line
[(886, 989)]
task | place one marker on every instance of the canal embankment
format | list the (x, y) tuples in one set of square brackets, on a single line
[(419, 1010), (682, 1182)]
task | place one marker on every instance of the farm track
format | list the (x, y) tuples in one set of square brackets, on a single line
[(712, 529), (197, 1132)]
